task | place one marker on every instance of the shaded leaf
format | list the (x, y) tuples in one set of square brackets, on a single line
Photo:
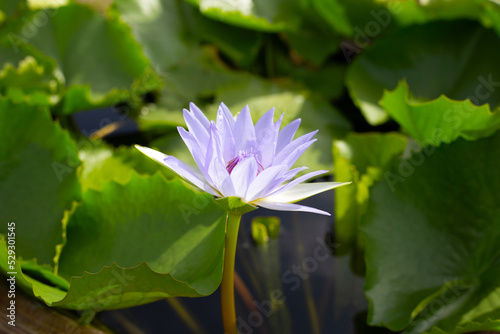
[(38, 178), (430, 233), (454, 58)]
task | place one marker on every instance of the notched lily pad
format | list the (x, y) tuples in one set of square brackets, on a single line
[(133, 243)]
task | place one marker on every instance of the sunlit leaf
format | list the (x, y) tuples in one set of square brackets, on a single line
[(102, 164), (254, 14), (441, 120), (360, 158)]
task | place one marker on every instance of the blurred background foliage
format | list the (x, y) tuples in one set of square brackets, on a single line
[(405, 94)]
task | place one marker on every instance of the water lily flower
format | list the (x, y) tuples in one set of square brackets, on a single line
[(236, 158), (244, 166)]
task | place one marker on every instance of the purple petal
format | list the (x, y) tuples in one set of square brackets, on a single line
[(244, 131), (193, 146), (298, 180), (267, 139), (290, 207), (292, 146), (188, 173), (225, 129), (286, 135), (196, 128), (227, 114), (200, 116), (243, 175), (227, 187), (214, 162), (293, 156), (264, 123), (291, 173), (265, 181), (198, 153)]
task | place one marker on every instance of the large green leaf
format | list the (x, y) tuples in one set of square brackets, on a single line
[(169, 30), (159, 28), (38, 179), (170, 238), (455, 58), (132, 244), (190, 71), (97, 59), (360, 158), (431, 234), (240, 45), (439, 120)]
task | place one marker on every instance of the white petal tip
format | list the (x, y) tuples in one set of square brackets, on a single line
[(153, 154)]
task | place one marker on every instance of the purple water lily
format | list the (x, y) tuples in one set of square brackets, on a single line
[(253, 162)]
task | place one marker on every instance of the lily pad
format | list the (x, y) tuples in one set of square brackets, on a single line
[(170, 238), (38, 179), (105, 75), (455, 58), (431, 233), (441, 120)]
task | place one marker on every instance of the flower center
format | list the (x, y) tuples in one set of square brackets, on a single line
[(242, 155)]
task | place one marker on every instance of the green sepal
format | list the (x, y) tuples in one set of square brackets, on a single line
[(235, 205)]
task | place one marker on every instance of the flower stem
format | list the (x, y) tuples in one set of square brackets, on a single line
[(227, 284)]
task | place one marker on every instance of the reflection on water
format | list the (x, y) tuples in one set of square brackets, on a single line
[(313, 291)]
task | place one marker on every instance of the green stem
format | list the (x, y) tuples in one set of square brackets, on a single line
[(227, 284)]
